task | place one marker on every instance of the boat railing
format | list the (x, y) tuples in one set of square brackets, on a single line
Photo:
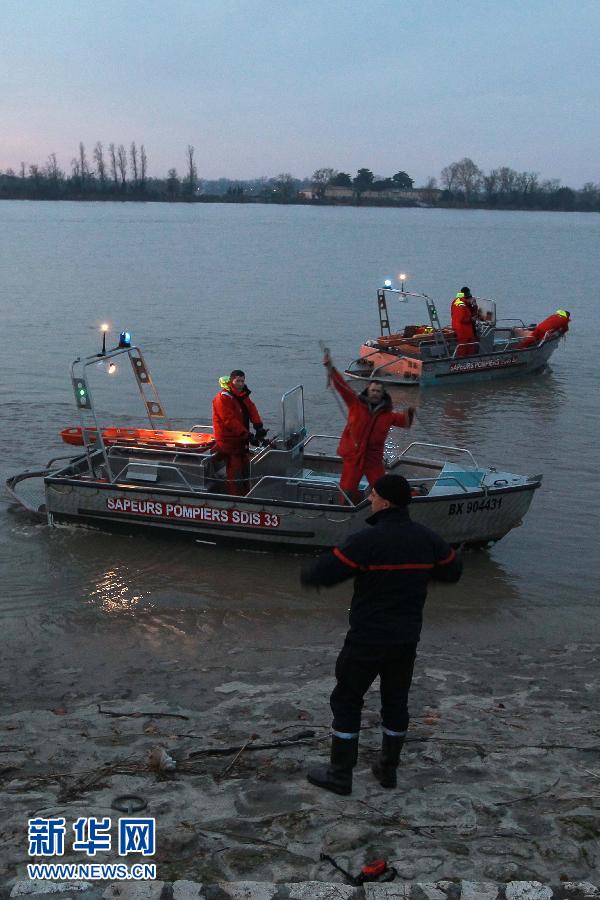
[(158, 451), (150, 463), (474, 344), (518, 321), (508, 344), (377, 369), (320, 484), (437, 479), (139, 467), (443, 447), (202, 428), (56, 459), (328, 437)]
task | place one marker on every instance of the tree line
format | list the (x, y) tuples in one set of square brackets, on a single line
[(117, 172), (464, 183)]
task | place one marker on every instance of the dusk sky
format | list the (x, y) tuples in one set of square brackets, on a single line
[(260, 88)]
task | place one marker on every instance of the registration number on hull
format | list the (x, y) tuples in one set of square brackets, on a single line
[(469, 506)]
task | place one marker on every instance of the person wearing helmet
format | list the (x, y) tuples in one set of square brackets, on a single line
[(464, 312), (233, 412), (557, 323)]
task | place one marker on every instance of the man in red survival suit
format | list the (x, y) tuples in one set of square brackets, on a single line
[(558, 322), (233, 411), (464, 312), (370, 417)]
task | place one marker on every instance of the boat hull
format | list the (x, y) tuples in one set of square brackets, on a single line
[(475, 518), (392, 368)]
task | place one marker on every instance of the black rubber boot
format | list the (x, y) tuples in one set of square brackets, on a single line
[(337, 776), (384, 769)]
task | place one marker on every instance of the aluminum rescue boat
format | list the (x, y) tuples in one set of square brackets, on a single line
[(430, 354), (175, 482)]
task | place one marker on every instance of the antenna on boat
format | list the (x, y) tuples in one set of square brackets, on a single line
[(104, 328), (403, 277)]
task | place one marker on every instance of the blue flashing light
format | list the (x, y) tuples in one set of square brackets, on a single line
[(125, 339), (387, 283)]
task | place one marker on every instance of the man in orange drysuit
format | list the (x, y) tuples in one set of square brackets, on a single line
[(559, 322), (370, 417), (233, 411), (462, 323)]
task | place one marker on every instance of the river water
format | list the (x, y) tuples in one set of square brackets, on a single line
[(206, 288)]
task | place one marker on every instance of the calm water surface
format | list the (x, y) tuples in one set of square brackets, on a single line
[(207, 288)]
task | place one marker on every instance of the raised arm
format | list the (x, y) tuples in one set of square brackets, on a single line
[(345, 392)]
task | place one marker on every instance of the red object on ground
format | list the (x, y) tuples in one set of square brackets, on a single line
[(374, 869)]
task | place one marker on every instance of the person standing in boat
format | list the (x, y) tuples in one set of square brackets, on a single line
[(391, 561), (464, 314), (233, 413), (370, 417)]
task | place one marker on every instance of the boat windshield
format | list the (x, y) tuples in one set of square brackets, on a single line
[(294, 430)]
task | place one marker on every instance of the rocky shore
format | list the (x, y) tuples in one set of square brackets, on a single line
[(499, 780)]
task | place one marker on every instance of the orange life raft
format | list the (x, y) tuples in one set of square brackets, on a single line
[(180, 440)]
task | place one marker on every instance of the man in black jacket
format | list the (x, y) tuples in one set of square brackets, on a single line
[(391, 561)]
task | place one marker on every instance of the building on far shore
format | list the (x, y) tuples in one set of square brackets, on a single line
[(417, 197)]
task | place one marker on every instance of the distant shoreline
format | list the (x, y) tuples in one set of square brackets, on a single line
[(363, 204)]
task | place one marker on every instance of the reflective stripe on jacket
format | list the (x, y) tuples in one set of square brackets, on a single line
[(391, 562)]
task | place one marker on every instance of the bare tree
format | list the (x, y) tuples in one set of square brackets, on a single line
[(22, 170), (507, 180), (76, 170), (527, 183), (192, 177), (100, 164), (53, 171), (83, 165), (122, 164), (468, 178), (320, 180), (143, 167), (113, 164), (172, 182), (34, 174), (449, 177), (491, 183), (133, 156), (284, 187)]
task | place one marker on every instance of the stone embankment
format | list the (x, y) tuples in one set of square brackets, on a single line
[(306, 890)]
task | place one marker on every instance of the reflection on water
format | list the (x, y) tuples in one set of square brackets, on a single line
[(115, 592)]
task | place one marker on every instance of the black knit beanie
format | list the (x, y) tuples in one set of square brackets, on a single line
[(394, 488)]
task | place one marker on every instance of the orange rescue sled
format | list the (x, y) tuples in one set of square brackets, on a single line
[(181, 440)]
